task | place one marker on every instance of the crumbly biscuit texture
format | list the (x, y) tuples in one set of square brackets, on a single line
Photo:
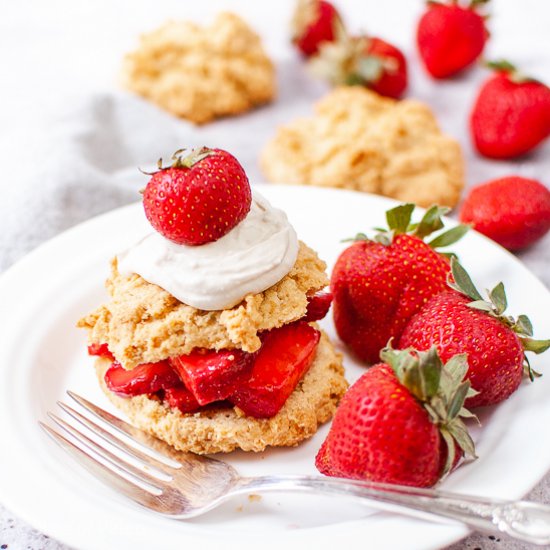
[(143, 323), (201, 73), (312, 403), (362, 141)]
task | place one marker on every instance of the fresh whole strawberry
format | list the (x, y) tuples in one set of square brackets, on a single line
[(450, 37), (400, 422), (513, 211), (315, 22), (459, 320), (365, 61), (511, 115), (199, 198), (379, 284)]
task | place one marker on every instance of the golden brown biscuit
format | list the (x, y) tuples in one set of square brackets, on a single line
[(201, 73), (312, 403), (143, 323), (362, 141)]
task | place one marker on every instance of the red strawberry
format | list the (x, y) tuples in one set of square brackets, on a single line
[(460, 321), (199, 198), (317, 306), (450, 37), (100, 350), (285, 356), (315, 22), (182, 399), (366, 61), (400, 422), (378, 285), (212, 375), (143, 379), (513, 211), (511, 114)]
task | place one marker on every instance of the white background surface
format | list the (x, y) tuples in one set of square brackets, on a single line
[(60, 61)]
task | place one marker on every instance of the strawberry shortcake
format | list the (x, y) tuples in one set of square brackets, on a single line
[(209, 340)]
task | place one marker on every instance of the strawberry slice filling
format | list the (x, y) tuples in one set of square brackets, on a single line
[(258, 383)]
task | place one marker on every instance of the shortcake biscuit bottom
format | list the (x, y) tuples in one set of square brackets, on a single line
[(312, 403)]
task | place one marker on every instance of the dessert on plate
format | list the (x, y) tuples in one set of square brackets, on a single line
[(201, 72), (362, 141), (209, 338)]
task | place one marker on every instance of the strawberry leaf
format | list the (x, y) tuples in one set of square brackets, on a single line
[(460, 434), (399, 218), (536, 346), (481, 305), (449, 237), (498, 297), (457, 400), (451, 451), (431, 221), (369, 68), (463, 283), (523, 326)]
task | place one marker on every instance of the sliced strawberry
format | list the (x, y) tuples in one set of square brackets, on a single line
[(213, 375), (317, 306), (182, 399), (285, 356), (143, 379), (101, 350)]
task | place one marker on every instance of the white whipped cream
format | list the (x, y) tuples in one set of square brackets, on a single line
[(253, 256)]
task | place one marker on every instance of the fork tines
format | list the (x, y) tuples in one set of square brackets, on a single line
[(124, 457)]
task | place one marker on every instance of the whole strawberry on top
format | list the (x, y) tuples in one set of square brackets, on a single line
[(362, 60), (513, 211), (199, 198), (451, 37), (459, 320), (511, 115), (379, 284), (401, 422), (315, 22)]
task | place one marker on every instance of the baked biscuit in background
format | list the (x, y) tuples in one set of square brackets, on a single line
[(361, 141), (201, 73)]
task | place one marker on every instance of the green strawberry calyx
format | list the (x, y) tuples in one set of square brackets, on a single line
[(511, 71), (183, 158), (441, 389), (495, 305), (345, 62), (399, 222)]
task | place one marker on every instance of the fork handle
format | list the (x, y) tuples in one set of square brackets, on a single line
[(522, 520)]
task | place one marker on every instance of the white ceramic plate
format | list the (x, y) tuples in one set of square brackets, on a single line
[(42, 354)]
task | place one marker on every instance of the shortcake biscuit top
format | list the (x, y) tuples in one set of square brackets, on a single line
[(143, 323), (201, 73), (362, 141)]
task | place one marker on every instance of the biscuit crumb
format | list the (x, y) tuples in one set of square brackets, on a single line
[(361, 141), (143, 323), (254, 498), (201, 73)]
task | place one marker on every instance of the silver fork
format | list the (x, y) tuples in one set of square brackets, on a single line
[(184, 485)]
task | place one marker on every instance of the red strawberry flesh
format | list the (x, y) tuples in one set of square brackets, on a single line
[(317, 306), (182, 399), (285, 356), (213, 375), (143, 379), (100, 350)]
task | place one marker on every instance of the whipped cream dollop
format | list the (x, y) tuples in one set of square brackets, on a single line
[(253, 256)]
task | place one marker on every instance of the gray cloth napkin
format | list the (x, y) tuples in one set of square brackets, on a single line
[(65, 161)]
